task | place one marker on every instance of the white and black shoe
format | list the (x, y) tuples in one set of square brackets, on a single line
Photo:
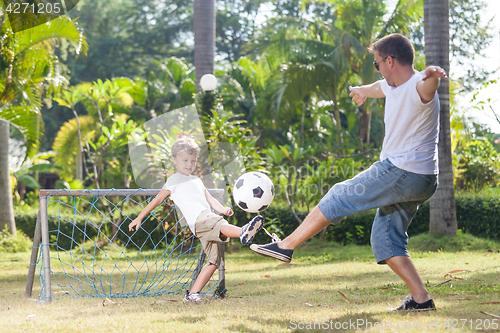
[(409, 304), (249, 230), (192, 298)]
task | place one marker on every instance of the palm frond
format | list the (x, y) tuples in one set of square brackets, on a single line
[(29, 122), (61, 27)]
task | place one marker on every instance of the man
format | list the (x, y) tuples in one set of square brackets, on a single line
[(404, 178)]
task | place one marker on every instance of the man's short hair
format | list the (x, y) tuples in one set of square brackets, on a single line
[(396, 46), (185, 143)]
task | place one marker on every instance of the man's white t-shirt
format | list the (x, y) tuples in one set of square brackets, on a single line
[(188, 193), (411, 128)]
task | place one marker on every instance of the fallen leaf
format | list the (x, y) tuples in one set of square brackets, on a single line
[(29, 317), (458, 271), (308, 304), (172, 301), (239, 284), (489, 314), (267, 276), (292, 295), (343, 296), (436, 285), (490, 303), (107, 301)]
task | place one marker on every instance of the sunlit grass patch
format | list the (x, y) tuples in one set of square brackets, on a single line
[(326, 283)]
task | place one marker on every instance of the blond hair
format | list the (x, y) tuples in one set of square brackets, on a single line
[(185, 143)]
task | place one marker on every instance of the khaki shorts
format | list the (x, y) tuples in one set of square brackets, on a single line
[(207, 229)]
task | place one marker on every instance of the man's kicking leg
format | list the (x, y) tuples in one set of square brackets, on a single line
[(313, 223)]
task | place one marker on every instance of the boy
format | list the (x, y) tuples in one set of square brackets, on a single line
[(195, 202)]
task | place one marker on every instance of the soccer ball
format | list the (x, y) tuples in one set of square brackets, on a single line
[(253, 192)]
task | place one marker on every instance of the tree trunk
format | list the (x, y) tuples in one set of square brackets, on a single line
[(364, 130), (204, 38), (443, 217), (7, 221)]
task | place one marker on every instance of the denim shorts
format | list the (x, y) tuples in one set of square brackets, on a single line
[(395, 192)]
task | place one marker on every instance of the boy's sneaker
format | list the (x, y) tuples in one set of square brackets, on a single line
[(409, 304), (272, 250), (249, 230), (193, 298)]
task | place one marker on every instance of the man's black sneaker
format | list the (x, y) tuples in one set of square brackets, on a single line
[(409, 304), (249, 230), (273, 250)]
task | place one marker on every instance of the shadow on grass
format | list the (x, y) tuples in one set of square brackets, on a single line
[(282, 323)]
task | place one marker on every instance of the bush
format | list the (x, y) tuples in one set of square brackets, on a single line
[(11, 244), (460, 242)]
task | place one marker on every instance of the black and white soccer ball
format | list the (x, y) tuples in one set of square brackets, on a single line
[(253, 192)]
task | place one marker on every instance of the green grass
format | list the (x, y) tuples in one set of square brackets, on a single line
[(267, 296)]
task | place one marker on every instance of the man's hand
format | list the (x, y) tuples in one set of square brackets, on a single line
[(357, 95), (434, 72), (135, 223), (228, 211), (427, 87)]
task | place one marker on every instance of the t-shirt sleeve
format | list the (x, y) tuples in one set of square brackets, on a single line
[(169, 185), (385, 87)]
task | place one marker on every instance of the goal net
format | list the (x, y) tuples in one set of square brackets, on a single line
[(83, 248)]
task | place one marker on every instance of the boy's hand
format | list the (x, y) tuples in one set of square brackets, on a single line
[(135, 223), (228, 211)]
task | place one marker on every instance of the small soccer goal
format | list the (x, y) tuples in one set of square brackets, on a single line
[(82, 247)]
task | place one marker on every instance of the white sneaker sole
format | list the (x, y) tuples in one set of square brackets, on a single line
[(268, 253)]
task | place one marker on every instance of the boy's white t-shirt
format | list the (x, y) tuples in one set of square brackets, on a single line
[(411, 128), (188, 193)]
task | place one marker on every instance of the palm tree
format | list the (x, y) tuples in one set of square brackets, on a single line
[(204, 38), (27, 65), (307, 58), (443, 217), (372, 26)]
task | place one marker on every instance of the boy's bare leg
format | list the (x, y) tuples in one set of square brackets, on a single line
[(313, 223), (202, 279), (230, 230), (404, 268)]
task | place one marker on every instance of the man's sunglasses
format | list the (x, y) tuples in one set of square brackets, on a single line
[(376, 64)]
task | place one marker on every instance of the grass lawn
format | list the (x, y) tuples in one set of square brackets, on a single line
[(327, 288)]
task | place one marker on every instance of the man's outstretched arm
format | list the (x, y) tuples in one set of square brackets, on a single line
[(429, 84), (360, 94)]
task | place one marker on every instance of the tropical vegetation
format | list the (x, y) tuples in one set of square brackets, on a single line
[(283, 68)]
